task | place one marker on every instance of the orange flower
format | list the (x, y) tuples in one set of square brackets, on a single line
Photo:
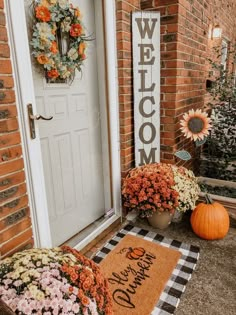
[(71, 270), (45, 3), (87, 283), (77, 13), (82, 47), (82, 276), (53, 74), (64, 268), (42, 59), (71, 289), (85, 300), (80, 294), (93, 292), (43, 14), (74, 277), (76, 30), (54, 48)]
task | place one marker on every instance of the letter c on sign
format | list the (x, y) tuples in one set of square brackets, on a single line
[(141, 106), (153, 133)]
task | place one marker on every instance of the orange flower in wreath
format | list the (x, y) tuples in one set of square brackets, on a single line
[(54, 48), (76, 30), (77, 13), (195, 125), (43, 14), (82, 47), (42, 59), (53, 74)]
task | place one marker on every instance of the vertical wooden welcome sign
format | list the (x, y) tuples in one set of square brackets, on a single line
[(146, 84)]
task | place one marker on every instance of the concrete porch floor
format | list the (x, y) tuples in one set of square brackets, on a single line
[(212, 288)]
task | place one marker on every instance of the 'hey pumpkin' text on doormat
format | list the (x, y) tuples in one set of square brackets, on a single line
[(143, 275)]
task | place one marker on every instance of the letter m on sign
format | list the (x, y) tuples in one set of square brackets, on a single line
[(146, 84)]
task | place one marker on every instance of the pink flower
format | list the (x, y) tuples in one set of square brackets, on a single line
[(54, 303), (27, 310), (55, 311), (73, 298), (22, 305), (33, 305), (55, 272), (17, 283), (7, 281), (45, 282), (46, 303)]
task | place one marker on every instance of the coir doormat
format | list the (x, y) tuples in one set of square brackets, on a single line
[(146, 272)]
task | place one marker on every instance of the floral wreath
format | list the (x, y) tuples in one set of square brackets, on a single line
[(53, 18)]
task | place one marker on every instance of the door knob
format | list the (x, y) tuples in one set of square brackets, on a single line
[(32, 118)]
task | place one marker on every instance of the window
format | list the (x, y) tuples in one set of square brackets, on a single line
[(224, 54)]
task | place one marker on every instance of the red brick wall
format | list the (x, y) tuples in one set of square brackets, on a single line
[(15, 223)]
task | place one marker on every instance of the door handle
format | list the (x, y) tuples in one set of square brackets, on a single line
[(32, 118), (37, 117)]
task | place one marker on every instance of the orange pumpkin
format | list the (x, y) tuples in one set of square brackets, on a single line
[(210, 221), (135, 253)]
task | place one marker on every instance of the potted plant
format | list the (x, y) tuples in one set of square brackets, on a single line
[(186, 184), (53, 281), (157, 190)]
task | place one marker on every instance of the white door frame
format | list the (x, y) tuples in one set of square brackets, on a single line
[(24, 88)]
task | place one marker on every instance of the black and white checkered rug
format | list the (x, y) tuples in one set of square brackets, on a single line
[(175, 286)]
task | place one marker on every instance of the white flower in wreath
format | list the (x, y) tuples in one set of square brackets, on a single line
[(65, 73), (66, 24), (45, 35), (44, 29), (51, 63), (64, 4), (73, 54)]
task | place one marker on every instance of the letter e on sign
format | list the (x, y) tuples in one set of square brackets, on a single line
[(146, 84)]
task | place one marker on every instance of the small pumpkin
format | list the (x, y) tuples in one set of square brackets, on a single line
[(210, 220), (135, 253)]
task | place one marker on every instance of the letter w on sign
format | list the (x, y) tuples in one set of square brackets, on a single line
[(146, 84)]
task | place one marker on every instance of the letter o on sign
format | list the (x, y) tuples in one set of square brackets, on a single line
[(141, 132)]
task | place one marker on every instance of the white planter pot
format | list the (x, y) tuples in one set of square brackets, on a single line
[(227, 202)]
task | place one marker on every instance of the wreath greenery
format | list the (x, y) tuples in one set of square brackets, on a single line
[(54, 19)]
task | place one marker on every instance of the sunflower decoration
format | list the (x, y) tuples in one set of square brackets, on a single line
[(195, 125)]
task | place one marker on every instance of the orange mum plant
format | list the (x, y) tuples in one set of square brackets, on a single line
[(149, 188)]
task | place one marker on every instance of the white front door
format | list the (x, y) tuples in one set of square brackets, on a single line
[(71, 142)]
